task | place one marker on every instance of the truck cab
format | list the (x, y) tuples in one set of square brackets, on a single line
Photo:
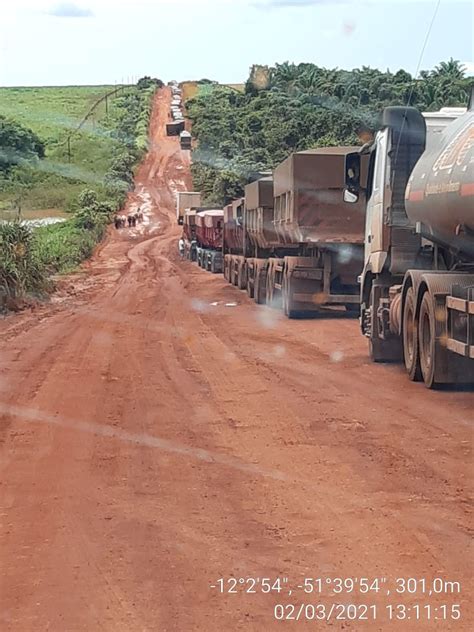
[(417, 278), (391, 245)]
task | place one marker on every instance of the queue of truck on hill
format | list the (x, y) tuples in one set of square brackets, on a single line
[(385, 231)]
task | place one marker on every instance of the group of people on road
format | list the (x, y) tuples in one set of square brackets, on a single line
[(132, 219)]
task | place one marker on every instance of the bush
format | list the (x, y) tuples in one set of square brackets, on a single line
[(21, 271), (17, 144)]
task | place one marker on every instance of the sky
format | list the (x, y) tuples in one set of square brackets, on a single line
[(49, 42)]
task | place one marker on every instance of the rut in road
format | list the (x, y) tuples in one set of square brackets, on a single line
[(160, 431)]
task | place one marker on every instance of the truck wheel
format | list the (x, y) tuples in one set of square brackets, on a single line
[(250, 287), (259, 290), (427, 340), (241, 275), (410, 337), (382, 350), (286, 299), (352, 309), (269, 285)]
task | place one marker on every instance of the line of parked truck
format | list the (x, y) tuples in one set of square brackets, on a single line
[(176, 124), (385, 230)]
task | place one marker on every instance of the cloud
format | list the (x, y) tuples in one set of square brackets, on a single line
[(69, 10)]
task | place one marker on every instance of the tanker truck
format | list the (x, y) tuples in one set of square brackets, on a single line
[(209, 228), (417, 284), (298, 247)]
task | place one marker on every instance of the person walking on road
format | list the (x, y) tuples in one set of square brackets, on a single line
[(181, 248)]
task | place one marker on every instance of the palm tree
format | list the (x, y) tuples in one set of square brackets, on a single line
[(452, 69)]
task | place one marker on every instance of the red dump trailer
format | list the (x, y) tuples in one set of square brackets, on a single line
[(293, 243), (320, 245), (233, 242), (209, 230), (189, 233), (260, 235)]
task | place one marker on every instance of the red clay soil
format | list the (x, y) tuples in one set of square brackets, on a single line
[(159, 431)]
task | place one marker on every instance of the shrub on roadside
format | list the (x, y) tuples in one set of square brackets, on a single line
[(21, 270)]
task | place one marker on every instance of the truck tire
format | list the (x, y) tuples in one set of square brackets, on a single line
[(411, 353), (352, 309), (259, 290), (241, 275), (250, 287), (382, 350), (226, 268), (427, 340), (269, 286), (287, 302)]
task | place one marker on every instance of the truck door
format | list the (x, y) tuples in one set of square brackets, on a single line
[(375, 205)]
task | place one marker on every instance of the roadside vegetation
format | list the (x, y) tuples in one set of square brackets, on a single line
[(290, 107), (91, 193)]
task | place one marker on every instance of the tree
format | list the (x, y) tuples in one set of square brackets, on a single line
[(451, 69), (146, 82), (292, 107), (17, 144)]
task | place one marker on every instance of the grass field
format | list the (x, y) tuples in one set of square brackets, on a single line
[(55, 113)]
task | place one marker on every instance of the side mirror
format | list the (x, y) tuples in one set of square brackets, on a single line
[(350, 196)]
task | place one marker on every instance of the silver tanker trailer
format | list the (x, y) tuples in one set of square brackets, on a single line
[(417, 285)]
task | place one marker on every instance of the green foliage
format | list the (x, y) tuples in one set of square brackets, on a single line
[(292, 107), (17, 144), (62, 247), (28, 258), (54, 114), (147, 82), (21, 270)]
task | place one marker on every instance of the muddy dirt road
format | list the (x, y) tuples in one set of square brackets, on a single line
[(159, 431)]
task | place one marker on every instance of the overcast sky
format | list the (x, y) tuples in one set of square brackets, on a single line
[(105, 41)]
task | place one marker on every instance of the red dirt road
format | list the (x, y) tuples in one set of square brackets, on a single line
[(159, 431)]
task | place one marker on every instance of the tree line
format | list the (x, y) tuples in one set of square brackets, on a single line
[(292, 107)]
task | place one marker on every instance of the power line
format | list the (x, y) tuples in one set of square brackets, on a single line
[(428, 33)]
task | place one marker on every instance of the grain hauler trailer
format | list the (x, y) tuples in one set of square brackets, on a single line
[(185, 139), (320, 245), (259, 238), (174, 128), (232, 244), (184, 200), (189, 233), (417, 290), (209, 228)]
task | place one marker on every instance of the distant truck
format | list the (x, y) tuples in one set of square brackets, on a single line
[(233, 243), (417, 285), (209, 229), (189, 234), (174, 128), (186, 200), (292, 243), (185, 140)]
